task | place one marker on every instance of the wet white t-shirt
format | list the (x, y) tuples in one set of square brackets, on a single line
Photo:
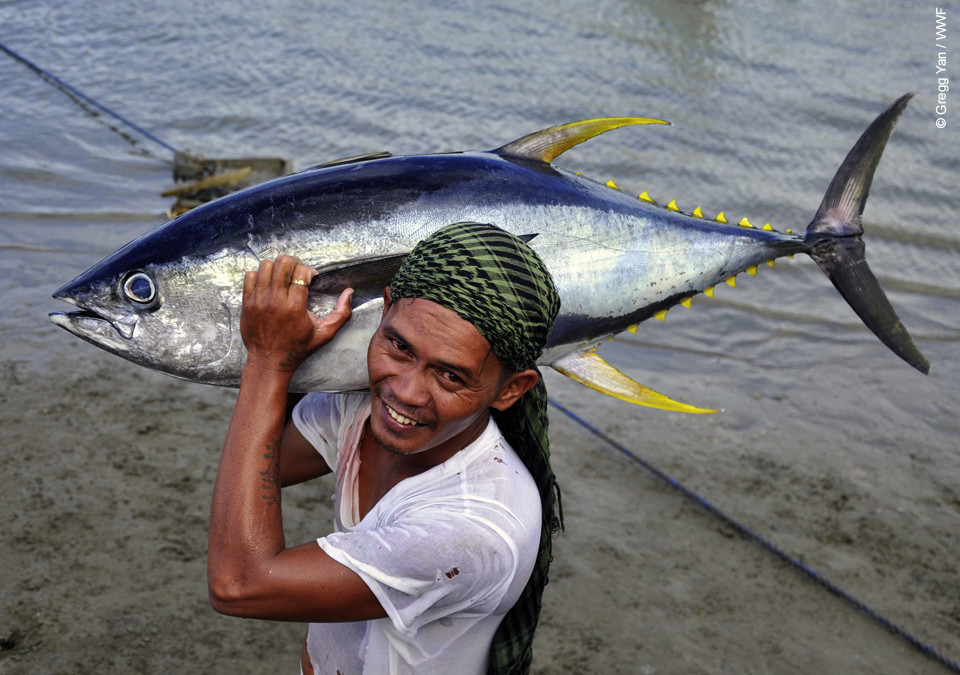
[(447, 552)]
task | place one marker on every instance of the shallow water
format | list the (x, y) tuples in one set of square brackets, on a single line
[(765, 100)]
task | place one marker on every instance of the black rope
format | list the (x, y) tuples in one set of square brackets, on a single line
[(766, 544), (82, 99)]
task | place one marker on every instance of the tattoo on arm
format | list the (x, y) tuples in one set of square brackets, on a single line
[(270, 477), (296, 355)]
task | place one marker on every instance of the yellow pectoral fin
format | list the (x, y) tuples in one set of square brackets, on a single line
[(588, 368)]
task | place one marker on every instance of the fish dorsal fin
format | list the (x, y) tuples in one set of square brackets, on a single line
[(354, 159), (367, 276), (589, 368), (548, 144)]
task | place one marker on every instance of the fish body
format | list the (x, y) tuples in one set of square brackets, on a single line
[(170, 300)]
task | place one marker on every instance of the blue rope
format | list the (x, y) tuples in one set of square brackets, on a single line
[(766, 544), (83, 97)]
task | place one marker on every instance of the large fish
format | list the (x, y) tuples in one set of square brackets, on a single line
[(170, 300)]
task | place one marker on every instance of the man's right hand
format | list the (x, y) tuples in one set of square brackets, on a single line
[(278, 330)]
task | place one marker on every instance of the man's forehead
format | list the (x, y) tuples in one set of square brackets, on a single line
[(428, 314), (428, 325)]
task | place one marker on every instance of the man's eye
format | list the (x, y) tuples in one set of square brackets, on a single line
[(450, 377)]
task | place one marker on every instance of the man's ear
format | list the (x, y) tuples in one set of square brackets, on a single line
[(515, 386), (386, 301)]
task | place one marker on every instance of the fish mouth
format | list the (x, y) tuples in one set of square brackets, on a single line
[(88, 325)]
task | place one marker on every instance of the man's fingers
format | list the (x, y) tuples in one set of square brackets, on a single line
[(249, 283), (275, 321), (343, 302), (339, 315), (327, 326), (262, 274), (273, 283), (302, 276), (281, 274), (283, 271)]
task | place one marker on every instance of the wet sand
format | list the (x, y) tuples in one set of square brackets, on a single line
[(109, 470)]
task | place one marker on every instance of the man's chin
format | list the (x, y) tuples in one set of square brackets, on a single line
[(387, 439), (387, 444)]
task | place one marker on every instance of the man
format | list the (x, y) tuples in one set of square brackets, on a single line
[(445, 499)]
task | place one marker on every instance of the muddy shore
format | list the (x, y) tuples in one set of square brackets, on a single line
[(109, 473)]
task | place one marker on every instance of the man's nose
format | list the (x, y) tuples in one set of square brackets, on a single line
[(410, 387)]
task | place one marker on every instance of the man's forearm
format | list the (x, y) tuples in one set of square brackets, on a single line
[(249, 570), (246, 528)]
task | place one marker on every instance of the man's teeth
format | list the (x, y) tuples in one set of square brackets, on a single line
[(400, 418)]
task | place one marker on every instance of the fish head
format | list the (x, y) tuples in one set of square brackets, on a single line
[(175, 311)]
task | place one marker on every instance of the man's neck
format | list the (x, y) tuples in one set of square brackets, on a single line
[(382, 467)]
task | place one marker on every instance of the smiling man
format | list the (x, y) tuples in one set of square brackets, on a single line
[(445, 501)]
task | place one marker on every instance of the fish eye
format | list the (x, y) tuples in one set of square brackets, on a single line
[(139, 287)]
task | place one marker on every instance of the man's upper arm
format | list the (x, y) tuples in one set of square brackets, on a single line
[(299, 460), (302, 583)]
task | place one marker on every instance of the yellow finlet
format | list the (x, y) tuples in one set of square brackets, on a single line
[(548, 144), (789, 231), (633, 328), (672, 206), (661, 315), (721, 218), (589, 368), (643, 196), (744, 223), (708, 291), (697, 213), (770, 263), (611, 184), (752, 270), (731, 281), (687, 302), (766, 228)]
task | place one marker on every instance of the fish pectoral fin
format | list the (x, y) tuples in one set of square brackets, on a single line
[(367, 276), (548, 144), (589, 368)]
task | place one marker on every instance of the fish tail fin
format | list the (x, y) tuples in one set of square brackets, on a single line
[(834, 238)]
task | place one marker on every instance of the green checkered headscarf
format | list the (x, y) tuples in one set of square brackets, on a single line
[(495, 281)]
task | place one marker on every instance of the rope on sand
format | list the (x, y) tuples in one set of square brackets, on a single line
[(746, 532)]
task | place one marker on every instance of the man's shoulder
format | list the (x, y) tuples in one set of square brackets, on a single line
[(328, 408), (494, 469), (491, 445), (326, 421)]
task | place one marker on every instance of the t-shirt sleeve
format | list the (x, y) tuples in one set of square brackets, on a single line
[(320, 418), (431, 564)]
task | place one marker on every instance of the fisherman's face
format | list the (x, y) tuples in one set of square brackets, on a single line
[(433, 380)]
